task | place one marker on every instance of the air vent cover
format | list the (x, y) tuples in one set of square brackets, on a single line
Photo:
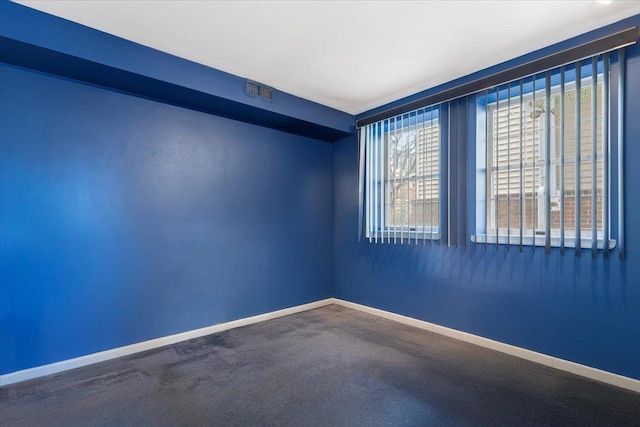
[(257, 90)]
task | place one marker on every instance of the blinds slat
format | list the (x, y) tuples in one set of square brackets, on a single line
[(521, 167), (361, 181), (374, 176), (448, 176), (394, 200), (407, 182), (488, 121), (594, 158), (374, 152), (605, 156), (423, 191), (459, 182), (621, 90), (547, 164), (369, 186), (388, 160), (509, 171), (497, 169), (453, 179), (578, 209), (381, 177), (415, 192), (367, 174), (372, 184), (562, 159), (402, 176), (380, 182), (456, 170), (465, 157), (431, 184), (367, 178), (533, 181)]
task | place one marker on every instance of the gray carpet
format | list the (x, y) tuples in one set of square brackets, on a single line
[(326, 367)]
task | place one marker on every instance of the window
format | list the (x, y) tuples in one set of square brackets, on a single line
[(534, 161), (547, 159), (402, 177)]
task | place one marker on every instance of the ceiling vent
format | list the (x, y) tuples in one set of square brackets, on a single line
[(257, 90)]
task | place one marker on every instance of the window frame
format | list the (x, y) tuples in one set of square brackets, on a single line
[(432, 230), (485, 201), (386, 231)]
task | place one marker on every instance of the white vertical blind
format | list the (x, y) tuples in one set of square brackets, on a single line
[(562, 159), (605, 152), (621, 134), (547, 163), (594, 157), (577, 164), (549, 143), (401, 178)]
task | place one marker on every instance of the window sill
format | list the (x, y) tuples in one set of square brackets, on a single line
[(405, 235), (569, 242)]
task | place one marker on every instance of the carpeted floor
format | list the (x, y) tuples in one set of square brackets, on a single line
[(326, 367)]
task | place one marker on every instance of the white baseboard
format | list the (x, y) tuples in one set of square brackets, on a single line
[(543, 359), (65, 365), (554, 362)]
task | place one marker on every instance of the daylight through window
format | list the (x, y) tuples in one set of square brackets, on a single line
[(402, 177), (547, 158)]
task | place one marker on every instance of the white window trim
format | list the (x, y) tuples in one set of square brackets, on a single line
[(527, 240), (411, 233)]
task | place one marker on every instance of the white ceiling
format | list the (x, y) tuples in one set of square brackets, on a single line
[(350, 55)]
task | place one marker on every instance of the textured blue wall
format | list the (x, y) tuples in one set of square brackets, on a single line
[(580, 309), (125, 219)]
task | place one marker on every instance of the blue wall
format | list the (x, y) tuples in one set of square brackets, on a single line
[(125, 219), (580, 309)]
